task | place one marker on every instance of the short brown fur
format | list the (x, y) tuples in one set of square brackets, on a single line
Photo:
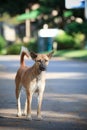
[(33, 80)]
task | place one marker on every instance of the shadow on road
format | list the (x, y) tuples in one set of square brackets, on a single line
[(16, 123), (65, 98)]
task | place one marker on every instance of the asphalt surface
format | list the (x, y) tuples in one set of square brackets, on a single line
[(65, 99)]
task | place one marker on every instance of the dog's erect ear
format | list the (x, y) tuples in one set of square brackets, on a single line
[(33, 55), (50, 54)]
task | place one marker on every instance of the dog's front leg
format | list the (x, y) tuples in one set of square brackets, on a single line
[(29, 101), (40, 97)]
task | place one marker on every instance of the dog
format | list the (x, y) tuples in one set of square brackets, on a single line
[(33, 80)]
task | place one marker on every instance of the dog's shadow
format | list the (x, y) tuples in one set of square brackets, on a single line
[(11, 121)]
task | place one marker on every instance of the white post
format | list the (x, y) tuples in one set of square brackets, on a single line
[(27, 25)]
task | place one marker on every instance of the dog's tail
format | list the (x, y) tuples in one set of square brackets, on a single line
[(24, 51)]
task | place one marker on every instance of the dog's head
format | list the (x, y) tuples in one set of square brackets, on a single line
[(41, 60)]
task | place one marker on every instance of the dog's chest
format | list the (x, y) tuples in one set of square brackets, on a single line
[(36, 85), (38, 82)]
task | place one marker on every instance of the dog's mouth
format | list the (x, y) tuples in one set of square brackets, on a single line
[(42, 67)]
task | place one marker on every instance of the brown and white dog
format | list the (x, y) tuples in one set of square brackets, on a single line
[(33, 80)]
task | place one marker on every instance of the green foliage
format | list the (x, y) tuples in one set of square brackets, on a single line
[(72, 54), (14, 7), (84, 27), (32, 45), (64, 41), (79, 40), (19, 6), (79, 32), (2, 43), (67, 14), (16, 48), (75, 27)]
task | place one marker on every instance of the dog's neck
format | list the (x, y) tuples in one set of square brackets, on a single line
[(36, 72)]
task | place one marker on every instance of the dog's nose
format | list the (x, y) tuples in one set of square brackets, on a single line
[(42, 66)]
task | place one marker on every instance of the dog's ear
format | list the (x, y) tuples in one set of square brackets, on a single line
[(33, 55), (50, 54)]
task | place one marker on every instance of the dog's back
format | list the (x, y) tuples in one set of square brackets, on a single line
[(20, 74), (21, 71)]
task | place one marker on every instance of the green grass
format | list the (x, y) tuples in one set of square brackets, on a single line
[(72, 54), (3, 52)]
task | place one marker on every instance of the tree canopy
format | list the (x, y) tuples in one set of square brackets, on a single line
[(52, 12), (15, 7)]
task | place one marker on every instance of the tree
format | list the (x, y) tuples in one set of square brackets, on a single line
[(15, 7)]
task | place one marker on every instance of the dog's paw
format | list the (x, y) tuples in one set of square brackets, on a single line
[(24, 114), (29, 117), (39, 117), (19, 114)]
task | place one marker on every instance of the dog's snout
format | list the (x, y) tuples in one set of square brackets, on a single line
[(42, 66)]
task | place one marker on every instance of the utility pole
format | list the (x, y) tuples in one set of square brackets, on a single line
[(27, 27)]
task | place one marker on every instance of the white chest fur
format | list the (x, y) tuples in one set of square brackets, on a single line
[(38, 83)]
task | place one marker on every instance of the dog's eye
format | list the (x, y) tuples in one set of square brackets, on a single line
[(38, 60), (46, 60)]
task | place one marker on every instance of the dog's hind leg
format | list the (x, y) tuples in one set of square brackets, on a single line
[(18, 89), (29, 101)]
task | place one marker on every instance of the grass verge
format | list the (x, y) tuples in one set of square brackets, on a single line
[(72, 54)]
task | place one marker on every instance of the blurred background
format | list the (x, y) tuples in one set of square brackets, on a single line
[(44, 25)]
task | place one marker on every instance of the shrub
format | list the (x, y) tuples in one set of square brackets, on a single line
[(32, 45), (73, 27), (16, 48), (2, 43), (79, 40), (64, 40)]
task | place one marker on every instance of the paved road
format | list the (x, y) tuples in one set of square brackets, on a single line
[(65, 99)]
